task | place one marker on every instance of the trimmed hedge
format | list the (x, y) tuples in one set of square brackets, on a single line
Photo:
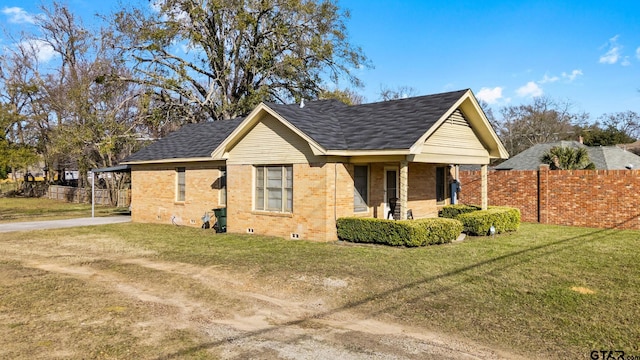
[(399, 233), (452, 211), (479, 222)]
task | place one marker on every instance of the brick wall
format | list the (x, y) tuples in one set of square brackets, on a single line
[(157, 202), (316, 187), (592, 198)]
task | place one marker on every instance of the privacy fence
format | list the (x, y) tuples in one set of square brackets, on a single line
[(82, 195), (591, 198)]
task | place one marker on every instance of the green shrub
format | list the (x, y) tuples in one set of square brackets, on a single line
[(398, 233), (452, 211), (479, 222), (440, 230)]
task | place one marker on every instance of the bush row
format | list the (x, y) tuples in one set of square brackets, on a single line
[(479, 222), (452, 211), (399, 233)]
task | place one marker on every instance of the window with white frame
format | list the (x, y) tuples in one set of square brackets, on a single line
[(441, 185), (223, 186), (360, 188), (180, 184), (274, 188)]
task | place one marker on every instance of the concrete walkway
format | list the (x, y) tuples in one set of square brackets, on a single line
[(56, 224)]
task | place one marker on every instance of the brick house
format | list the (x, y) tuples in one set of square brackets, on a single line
[(292, 170)]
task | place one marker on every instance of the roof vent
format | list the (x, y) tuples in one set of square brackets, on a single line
[(629, 166), (301, 103)]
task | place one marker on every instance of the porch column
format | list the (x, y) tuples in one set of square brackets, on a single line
[(404, 188), (483, 186)]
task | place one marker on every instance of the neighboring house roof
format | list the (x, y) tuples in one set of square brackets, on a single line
[(191, 141), (634, 146), (603, 157), (334, 128)]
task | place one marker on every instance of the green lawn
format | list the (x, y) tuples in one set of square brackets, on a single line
[(34, 209), (545, 290)]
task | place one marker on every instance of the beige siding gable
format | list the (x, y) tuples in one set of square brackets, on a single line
[(271, 142), (455, 137)]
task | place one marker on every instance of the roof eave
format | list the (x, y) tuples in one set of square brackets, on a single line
[(367, 152), (165, 161)]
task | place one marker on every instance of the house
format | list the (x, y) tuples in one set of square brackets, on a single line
[(292, 170), (603, 157)]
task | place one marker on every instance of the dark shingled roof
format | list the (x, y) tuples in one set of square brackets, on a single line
[(386, 125), (318, 119), (395, 124), (603, 157), (190, 141)]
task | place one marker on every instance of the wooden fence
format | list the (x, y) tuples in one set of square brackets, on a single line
[(82, 195)]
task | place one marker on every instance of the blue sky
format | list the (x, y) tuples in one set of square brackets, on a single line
[(586, 52)]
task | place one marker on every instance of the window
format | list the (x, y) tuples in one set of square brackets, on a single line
[(274, 188), (223, 186), (180, 184), (360, 188), (441, 188)]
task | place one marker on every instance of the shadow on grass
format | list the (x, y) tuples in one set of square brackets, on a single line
[(544, 249)]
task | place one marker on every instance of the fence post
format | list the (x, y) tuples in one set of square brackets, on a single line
[(543, 194), (484, 185)]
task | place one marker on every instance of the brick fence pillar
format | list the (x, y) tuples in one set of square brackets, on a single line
[(543, 194), (484, 185)]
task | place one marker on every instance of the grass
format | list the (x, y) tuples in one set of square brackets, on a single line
[(34, 209), (543, 292)]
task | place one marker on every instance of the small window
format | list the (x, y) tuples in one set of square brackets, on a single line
[(180, 181), (360, 188), (274, 188), (223, 186)]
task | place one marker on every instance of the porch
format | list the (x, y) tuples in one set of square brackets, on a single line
[(423, 188)]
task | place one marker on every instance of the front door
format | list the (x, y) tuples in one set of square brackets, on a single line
[(391, 193)]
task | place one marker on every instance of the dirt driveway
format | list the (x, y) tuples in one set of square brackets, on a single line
[(107, 299)]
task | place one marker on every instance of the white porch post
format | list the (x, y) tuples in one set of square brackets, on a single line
[(93, 194), (484, 186), (404, 188)]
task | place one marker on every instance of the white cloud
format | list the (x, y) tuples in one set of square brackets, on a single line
[(531, 89), (549, 79), (613, 54), (625, 61), (491, 96), (44, 51), (18, 15), (574, 74), (638, 53)]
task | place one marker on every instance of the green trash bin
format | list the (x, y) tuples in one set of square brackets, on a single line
[(221, 220)]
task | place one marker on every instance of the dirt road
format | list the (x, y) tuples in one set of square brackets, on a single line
[(221, 313)]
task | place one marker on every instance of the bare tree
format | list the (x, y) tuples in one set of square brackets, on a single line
[(218, 59), (401, 92), (78, 120), (543, 120), (347, 96)]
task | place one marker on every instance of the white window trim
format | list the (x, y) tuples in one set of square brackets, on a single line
[(222, 191), (177, 189), (265, 198)]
